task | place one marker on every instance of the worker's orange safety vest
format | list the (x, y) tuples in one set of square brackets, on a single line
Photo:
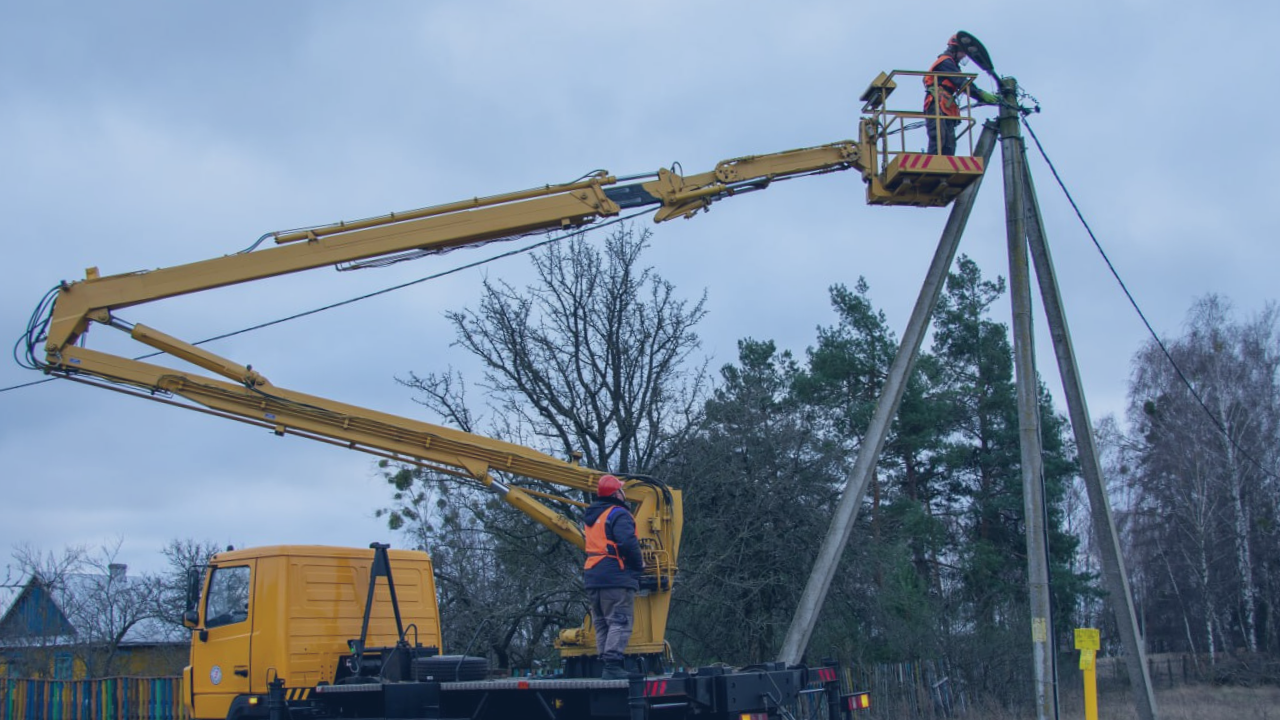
[(946, 91), (599, 546)]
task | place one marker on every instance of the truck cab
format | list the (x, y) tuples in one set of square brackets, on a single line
[(291, 613)]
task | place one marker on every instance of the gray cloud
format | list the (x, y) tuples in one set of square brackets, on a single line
[(145, 134)]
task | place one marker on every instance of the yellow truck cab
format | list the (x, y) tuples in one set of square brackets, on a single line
[(290, 612)]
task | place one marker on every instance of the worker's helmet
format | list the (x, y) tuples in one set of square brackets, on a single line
[(608, 486), (953, 42)]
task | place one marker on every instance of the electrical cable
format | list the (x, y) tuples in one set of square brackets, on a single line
[(1160, 343), (475, 636), (255, 244), (24, 347), (27, 385), (36, 326), (401, 286), (39, 318)]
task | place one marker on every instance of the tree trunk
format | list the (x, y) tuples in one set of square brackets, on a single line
[(1244, 559)]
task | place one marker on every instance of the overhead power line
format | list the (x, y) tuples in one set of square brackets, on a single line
[(1133, 302)]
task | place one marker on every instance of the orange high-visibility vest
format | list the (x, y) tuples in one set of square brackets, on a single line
[(945, 91), (599, 546)]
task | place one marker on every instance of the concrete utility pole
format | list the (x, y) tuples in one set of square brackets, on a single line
[(1033, 496), (1025, 228)]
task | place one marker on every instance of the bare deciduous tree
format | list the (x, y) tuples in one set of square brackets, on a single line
[(101, 602), (183, 556), (1206, 472), (590, 360)]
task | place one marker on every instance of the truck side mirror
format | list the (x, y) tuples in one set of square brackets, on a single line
[(191, 617)]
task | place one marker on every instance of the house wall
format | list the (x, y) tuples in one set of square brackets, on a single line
[(66, 662)]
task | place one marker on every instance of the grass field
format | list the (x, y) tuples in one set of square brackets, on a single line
[(1189, 702)]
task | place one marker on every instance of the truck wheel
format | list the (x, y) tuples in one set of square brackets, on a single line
[(450, 668)]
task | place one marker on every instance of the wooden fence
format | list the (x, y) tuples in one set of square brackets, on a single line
[(932, 690), (1175, 669), (106, 699), (922, 689)]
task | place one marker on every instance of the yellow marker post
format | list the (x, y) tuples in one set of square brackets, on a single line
[(1088, 643)]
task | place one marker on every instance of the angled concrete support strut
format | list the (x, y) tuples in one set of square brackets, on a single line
[(824, 569), (1115, 577)]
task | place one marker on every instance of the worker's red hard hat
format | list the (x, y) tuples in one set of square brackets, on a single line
[(608, 486), (953, 41)]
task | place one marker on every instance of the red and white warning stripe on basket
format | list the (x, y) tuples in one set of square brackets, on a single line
[(956, 163)]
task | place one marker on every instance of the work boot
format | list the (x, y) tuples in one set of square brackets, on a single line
[(613, 670)]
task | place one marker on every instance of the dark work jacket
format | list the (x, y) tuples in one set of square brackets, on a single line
[(946, 63), (621, 529)]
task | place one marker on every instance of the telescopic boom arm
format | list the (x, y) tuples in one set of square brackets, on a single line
[(435, 229), (235, 391)]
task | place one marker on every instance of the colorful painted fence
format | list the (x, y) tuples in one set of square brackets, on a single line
[(107, 699)]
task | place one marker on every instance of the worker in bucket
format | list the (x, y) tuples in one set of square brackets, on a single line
[(611, 576), (940, 98)]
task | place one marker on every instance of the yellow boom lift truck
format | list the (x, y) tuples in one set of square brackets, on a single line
[(321, 632)]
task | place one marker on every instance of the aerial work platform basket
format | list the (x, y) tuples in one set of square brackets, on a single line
[(901, 171)]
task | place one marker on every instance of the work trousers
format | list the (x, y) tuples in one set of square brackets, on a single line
[(948, 139), (612, 611)]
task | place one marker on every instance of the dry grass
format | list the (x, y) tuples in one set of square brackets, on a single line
[(1188, 702)]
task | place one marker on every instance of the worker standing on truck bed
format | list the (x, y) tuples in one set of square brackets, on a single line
[(940, 98), (613, 566)]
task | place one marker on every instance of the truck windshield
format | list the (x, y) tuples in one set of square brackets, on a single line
[(228, 600)]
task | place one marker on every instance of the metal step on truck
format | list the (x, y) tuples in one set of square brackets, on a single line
[(312, 632)]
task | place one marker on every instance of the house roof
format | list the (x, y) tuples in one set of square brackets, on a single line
[(34, 613), (8, 593)]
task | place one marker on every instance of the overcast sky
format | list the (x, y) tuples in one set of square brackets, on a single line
[(137, 135)]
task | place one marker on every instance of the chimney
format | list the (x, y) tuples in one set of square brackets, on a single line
[(116, 571)]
